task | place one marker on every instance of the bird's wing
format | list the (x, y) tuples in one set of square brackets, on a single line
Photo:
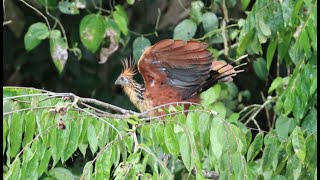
[(183, 64)]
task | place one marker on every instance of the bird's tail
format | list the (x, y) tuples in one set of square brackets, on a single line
[(221, 72)]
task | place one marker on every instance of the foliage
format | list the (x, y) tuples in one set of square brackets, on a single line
[(233, 133)]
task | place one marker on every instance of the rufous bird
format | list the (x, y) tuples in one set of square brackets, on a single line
[(173, 71)]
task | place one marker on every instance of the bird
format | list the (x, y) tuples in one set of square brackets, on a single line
[(172, 71)]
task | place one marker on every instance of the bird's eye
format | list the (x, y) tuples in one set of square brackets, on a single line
[(124, 80)]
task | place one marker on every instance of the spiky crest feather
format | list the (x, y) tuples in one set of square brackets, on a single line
[(128, 68)]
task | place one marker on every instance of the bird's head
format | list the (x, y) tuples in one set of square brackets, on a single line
[(126, 77)]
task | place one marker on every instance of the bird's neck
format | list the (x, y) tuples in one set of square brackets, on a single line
[(135, 91)]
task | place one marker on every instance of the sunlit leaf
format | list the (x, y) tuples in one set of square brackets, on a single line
[(275, 84), (245, 4), (68, 7), (255, 147), (35, 34), (58, 50), (92, 138), (121, 18), (185, 30), (311, 144), (61, 173), (284, 125), (15, 133), (92, 31), (299, 144), (211, 95), (209, 21), (170, 140), (196, 7)]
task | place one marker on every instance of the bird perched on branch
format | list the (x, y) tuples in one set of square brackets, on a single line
[(173, 71)]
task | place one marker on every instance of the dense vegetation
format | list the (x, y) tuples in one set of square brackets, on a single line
[(261, 126)]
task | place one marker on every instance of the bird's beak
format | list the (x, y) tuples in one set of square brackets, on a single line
[(117, 82)]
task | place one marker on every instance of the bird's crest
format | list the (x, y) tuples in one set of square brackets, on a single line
[(128, 67)]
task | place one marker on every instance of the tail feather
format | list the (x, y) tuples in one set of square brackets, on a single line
[(220, 72), (223, 72)]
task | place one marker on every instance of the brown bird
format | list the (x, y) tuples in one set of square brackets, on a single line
[(173, 71)]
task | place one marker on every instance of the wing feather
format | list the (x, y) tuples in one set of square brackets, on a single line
[(183, 65)]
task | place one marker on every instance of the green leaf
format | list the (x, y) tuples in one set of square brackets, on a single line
[(311, 143), (280, 160), (52, 4), (44, 162), (299, 144), (192, 123), (284, 44), (58, 50), (265, 29), (128, 142), (68, 7), (121, 18), (289, 103), (185, 150), (170, 140), (15, 170), (185, 30), (278, 177), (245, 4), (139, 45), (62, 173), (87, 171), (217, 132), (275, 84), (284, 126), (220, 108), (196, 7), (92, 31), (92, 138), (111, 24), (35, 34), (209, 21), (15, 132), (269, 153), (4, 135), (30, 127), (245, 39), (134, 158), (293, 169), (270, 52), (72, 145), (310, 121), (211, 95), (131, 2), (259, 67), (255, 147), (32, 167)]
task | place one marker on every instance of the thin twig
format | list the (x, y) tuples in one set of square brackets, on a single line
[(46, 19), (252, 118), (7, 22), (267, 112), (105, 105), (90, 113), (231, 47), (26, 109), (224, 37)]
